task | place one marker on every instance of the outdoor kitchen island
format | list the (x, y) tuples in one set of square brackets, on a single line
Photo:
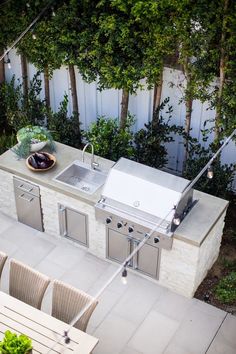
[(65, 211)]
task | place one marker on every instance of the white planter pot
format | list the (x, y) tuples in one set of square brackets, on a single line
[(37, 146)]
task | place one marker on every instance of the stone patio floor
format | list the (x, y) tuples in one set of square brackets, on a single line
[(138, 318)]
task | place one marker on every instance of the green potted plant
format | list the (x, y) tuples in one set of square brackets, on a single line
[(32, 138), (15, 344)]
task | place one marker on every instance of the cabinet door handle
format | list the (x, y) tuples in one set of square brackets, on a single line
[(22, 196), (62, 222), (136, 243), (25, 189), (129, 250)]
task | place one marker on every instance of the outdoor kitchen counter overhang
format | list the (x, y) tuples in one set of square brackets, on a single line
[(194, 228), (201, 219)]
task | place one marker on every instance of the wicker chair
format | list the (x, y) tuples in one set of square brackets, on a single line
[(26, 284), (3, 258), (68, 301)]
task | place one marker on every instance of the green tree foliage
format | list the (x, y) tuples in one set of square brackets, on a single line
[(37, 44), (190, 21), (222, 54), (124, 43)]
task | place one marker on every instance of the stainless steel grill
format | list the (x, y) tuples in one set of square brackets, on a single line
[(137, 198)]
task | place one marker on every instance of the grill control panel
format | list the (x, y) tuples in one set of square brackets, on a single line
[(134, 230)]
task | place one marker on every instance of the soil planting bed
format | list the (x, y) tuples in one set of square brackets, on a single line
[(205, 291)]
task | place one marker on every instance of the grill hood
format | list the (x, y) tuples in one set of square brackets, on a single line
[(145, 189)]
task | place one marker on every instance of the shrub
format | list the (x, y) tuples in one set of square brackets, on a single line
[(65, 130), (109, 140), (10, 96), (17, 110), (149, 142), (199, 156), (225, 291), (6, 142)]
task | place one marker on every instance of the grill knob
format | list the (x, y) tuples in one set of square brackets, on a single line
[(119, 224), (130, 229), (156, 239), (108, 220)]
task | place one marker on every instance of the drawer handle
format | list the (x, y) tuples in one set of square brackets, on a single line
[(25, 189), (22, 196)]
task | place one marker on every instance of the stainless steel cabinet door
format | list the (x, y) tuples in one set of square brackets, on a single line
[(147, 260), (28, 209), (118, 246), (73, 224)]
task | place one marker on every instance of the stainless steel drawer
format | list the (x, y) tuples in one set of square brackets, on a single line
[(26, 186), (28, 204)]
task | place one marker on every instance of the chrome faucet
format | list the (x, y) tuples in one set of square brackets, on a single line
[(93, 163)]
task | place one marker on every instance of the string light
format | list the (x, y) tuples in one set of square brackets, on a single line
[(67, 338), (8, 62), (210, 173), (176, 220), (194, 181), (34, 36), (124, 274)]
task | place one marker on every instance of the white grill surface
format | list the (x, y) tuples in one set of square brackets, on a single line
[(144, 188)]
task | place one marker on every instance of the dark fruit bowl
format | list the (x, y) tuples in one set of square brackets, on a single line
[(40, 161)]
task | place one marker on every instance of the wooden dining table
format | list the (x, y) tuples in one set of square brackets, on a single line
[(45, 331)]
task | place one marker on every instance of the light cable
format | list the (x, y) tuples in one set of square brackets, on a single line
[(25, 31)]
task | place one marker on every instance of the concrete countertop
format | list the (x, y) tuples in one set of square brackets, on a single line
[(65, 155), (194, 228), (201, 218)]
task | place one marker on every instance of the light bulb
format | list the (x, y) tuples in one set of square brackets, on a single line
[(9, 64), (53, 14), (210, 173), (124, 280), (176, 220), (124, 276), (34, 36)]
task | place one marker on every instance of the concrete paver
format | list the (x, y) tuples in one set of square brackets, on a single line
[(138, 318)]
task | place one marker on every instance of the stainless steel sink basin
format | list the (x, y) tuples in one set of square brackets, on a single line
[(80, 176)]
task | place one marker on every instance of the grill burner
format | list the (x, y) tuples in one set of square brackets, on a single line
[(137, 198)]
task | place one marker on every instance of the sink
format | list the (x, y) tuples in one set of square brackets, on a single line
[(81, 177)]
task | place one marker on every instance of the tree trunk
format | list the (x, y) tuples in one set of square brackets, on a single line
[(2, 68), (74, 96), (75, 105), (157, 94), (223, 61), (188, 116), (124, 108), (24, 72), (46, 87)]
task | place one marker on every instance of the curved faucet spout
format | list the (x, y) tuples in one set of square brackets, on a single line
[(93, 163)]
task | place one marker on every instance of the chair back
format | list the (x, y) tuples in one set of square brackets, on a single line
[(3, 258), (68, 301), (27, 284)]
